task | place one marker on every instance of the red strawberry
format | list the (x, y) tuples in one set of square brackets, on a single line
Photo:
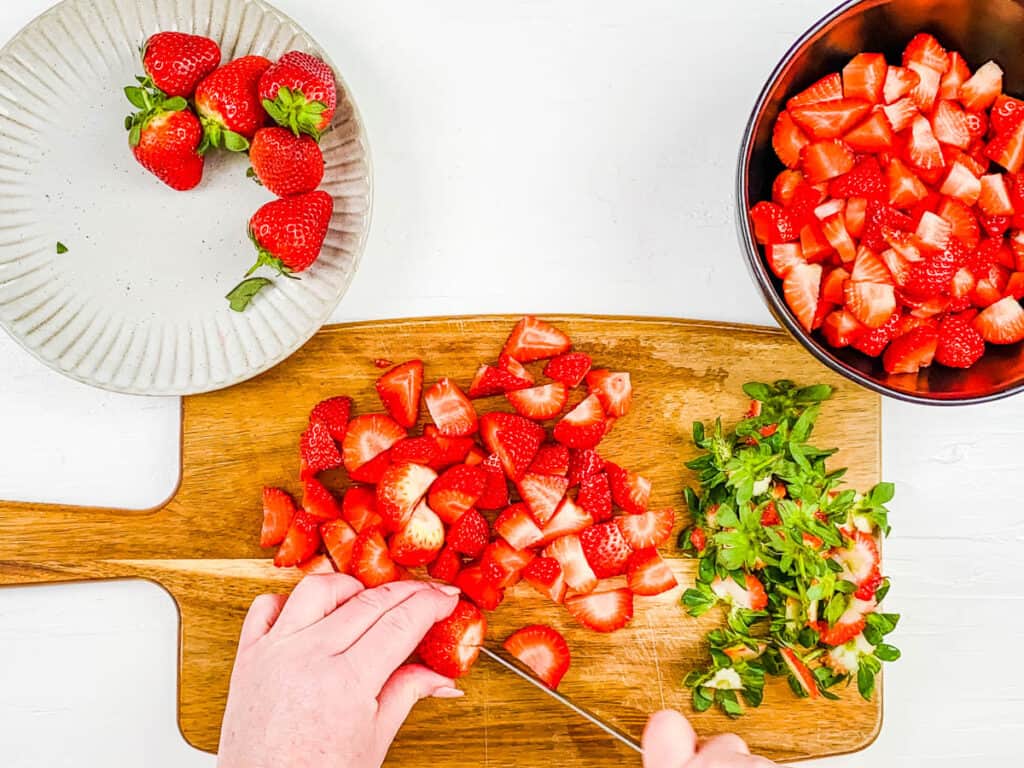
[(418, 450), (868, 267), (495, 495), (900, 114), (450, 409), (1007, 148), (333, 413), (371, 561), (828, 88), (830, 119), (317, 564), (949, 125), (228, 103), (400, 490), (962, 220), (584, 426), (372, 471), (613, 389), (551, 459), (924, 49), (801, 288), (873, 341), (630, 490), (602, 611), (813, 244), (517, 526), (318, 501), (923, 150), (339, 540), (824, 160), (605, 549), (961, 184), (569, 368), (476, 456), (533, 339), (284, 163), (956, 75), (540, 403), (359, 508), (514, 439), (871, 303), (451, 646), (495, 381), (879, 217), (899, 82), (165, 140), (420, 540), (859, 559), (873, 135), (772, 224), (368, 437), (278, 511), (469, 534), (570, 517), (933, 232), (175, 61), (981, 90), (911, 351), (651, 529), (456, 491), (841, 328), (298, 92), (788, 140), (542, 494), (1002, 322), (454, 450), (475, 585), (752, 596), (1006, 113), (994, 197), (648, 574), (289, 232), (583, 462), (545, 575), (543, 650), (864, 179), (595, 497), (864, 77), (446, 567), (502, 563), (568, 551), (931, 277), (782, 257), (317, 449), (399, 390), (800, 673), (509, 364), (960, 345), (300, 542)]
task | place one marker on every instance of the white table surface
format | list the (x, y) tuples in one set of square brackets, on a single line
[(534, 156)]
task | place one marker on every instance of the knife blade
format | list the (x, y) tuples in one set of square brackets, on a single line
[(608, 728)]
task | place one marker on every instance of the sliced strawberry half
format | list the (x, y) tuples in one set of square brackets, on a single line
[(994, 197), (318, 501), (542, 494), (923, 149), (983, 87), (871, 303), (649, 574), (418, 450), (517, 526), (651, 529), (339, 540), (420, 541), (514, 439), (502, 563), (788, 140), (540, 403), (962, 184), (1002, 322), (568, 551), (452, 645), (782, 257), (401, 488), (569, 368), (830, 119), (469, 534), (371, 561), (450, 409), (278, 511), (456, 491), (606, 549), (864, 77), (613, 389), (367, 437), (400, 389), (317, 449), (824, 160), (911, 351), (1007, 148), (949, 125), (446, 567), (595, 497), (545, 575), (752, 597), (551, 459), (801, 289), (334, 413), (602, 611), (300, 542), (956, 75), (359, 508), (803, 676), (828, 88), (899, 82), (570, 517), (476, 586), (873, 135), (495, 495), (630, 490), (543, 650), (489, 380), (454, 450), (533, 339)]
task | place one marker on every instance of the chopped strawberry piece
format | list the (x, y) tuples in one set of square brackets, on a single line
[(605, 548), (456, 491), (956, 75), (446, 567), (788, 140), (923, 149), (630, 490), (317, 564), (784, 190), (751, 597), (420, 541), (545, 575), (834, 229), (1015, 286), (1006, 114), (452, 645), (368, 437), (551, 459), (533, 339), (517, 526), (868, 267), (994, 197), (372, 471), (856, 215), (339, 540), (469, 534), (400, 489), (502, 563), (829, 88), (832, 285), (873, 135), (418, 450), (927, 90), (495, 495), (879, 217), (568, 551), (317, 449), (899, 82), (871, 303), (602, 611), (821, 161), (495, 381), (514, 439), (318, 501), (475, 457), (371, 561), (570, 517), (830, 119), (585, 425), (831, 207), (981, 90), (949, 125), (813, 244), (278, 511), (540, 403), (613, 389), (1002, 322), (911, 351), (399, 390), (841, 328), (583, 462), (542, 494), (864, 77), (963, 223), (595, 497), (543, 650), (864, 179), (897, 265), (1007, 148), (509, 364), (649, 574), (924, 49), (801, 288), (650, 529), (475, 585), (454, 450), (333, 413), (569, 368), (931, 278), (873, 341), (300, 542), (961, 184), (800, 673), (359, 508), (450, 409)]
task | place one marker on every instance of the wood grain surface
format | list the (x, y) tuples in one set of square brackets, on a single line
[(202, 545)]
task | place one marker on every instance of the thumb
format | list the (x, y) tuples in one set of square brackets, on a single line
[(669, 740), (407, 685)]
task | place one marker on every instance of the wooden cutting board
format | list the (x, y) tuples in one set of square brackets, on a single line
[(202, 544)]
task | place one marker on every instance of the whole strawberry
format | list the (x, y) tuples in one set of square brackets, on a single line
[(165, 137), (228, 102), (175, 61), (289, 232), (298, 92), (284, 163), (960, 345)]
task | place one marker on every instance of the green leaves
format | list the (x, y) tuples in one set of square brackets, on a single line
[(234, 142), (291, 110), (698, 601), (176, 104), (137, 97), (887, 652), (242, 294), (61, 248)]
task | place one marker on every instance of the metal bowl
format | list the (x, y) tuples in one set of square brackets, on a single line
[(980, 30)]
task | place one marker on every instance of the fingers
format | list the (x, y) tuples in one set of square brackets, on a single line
[(727, 750), (404, 688), (261, 617), (668, 741), (396, 633), (315, 597), (339, 631)]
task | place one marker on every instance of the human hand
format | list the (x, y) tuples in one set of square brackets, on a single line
[(669, 741), (319, 677)]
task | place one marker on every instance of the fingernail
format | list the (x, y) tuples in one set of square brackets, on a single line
[(447, 692), (449, 589)]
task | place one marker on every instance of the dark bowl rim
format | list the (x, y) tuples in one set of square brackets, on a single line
[(756, 263)]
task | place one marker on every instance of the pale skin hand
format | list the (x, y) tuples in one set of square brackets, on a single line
[(669, 741), (320, 677)]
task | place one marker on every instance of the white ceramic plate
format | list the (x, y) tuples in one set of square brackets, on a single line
[(137, 303)]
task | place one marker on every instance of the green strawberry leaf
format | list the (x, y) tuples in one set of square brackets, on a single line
[(177, 104), (135, 135), (242, 294), (137, 96), (234, 142), (61, 248)]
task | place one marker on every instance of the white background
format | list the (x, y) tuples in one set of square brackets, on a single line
[(529, 156)]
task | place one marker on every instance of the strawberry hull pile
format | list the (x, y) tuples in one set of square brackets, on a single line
[(558, 516), (188, 104), (792, 555), (897, 225)]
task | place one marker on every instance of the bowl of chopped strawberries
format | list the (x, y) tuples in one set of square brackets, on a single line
[(881, 196)]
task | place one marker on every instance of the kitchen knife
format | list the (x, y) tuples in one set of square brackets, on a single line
[(515, 669)]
